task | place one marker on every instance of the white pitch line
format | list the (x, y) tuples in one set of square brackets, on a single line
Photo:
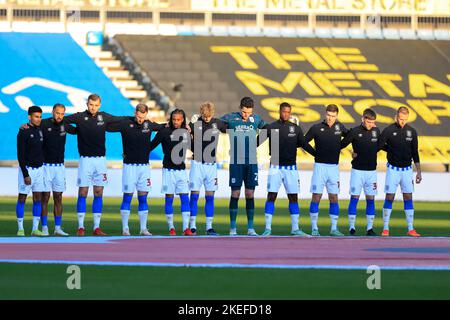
[(222, 265), (101, 240)]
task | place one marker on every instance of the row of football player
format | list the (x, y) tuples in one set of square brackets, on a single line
[(41, 147)]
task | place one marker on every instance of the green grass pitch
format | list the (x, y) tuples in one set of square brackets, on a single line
[(35, 281)]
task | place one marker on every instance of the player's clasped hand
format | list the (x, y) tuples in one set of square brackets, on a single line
[(27, 181)]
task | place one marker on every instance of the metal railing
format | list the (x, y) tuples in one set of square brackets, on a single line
[(121, 16), (12, 13), (190, 18)]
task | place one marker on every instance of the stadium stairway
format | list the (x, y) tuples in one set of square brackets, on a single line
[(123, 79), (180, 72)]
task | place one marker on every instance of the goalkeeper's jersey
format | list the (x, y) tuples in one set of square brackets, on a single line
[(243, 134)]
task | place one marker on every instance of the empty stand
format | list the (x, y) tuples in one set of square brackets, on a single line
[(171, 61)]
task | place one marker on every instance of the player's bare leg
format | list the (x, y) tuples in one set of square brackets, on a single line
[(44, 212), (314, 213), (234, 199), (125, 209), (97, 208), (250, 208), (81, 209), (409, 213), (143, 213), (387, 210), (269, 211), (20, 212)]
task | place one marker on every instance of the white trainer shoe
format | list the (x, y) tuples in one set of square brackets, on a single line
[(60, 232), (126, 232), (251, 232), (145, 232), (233, 232), (45, 231)]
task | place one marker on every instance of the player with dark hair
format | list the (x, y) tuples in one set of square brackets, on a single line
[(91, 128), (400, 142), (327, 139), (284, 139), (175, 141), (365, 140), (205, 131), (136, 135), (242, 129), (54, 132), (31, 173)]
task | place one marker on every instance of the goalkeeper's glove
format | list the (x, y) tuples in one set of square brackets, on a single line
[(195, 117), (294, 119)]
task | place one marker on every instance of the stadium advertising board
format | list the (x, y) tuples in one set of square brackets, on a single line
[(355, 74), (43, 69), (100, 3), (435, 7), (326, 6)]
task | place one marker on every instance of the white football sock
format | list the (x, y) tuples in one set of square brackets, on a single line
[(386, 218), (268, 221), (314, 220), (169, 218), (81, 219), (36, 223), (209, 221), (192, 222), (334, 221), (125, 215), (410, 218), (351, 221), (370, 219), (97, 218), (294, 222), (20, 223), (143, 216), (185, 215)]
